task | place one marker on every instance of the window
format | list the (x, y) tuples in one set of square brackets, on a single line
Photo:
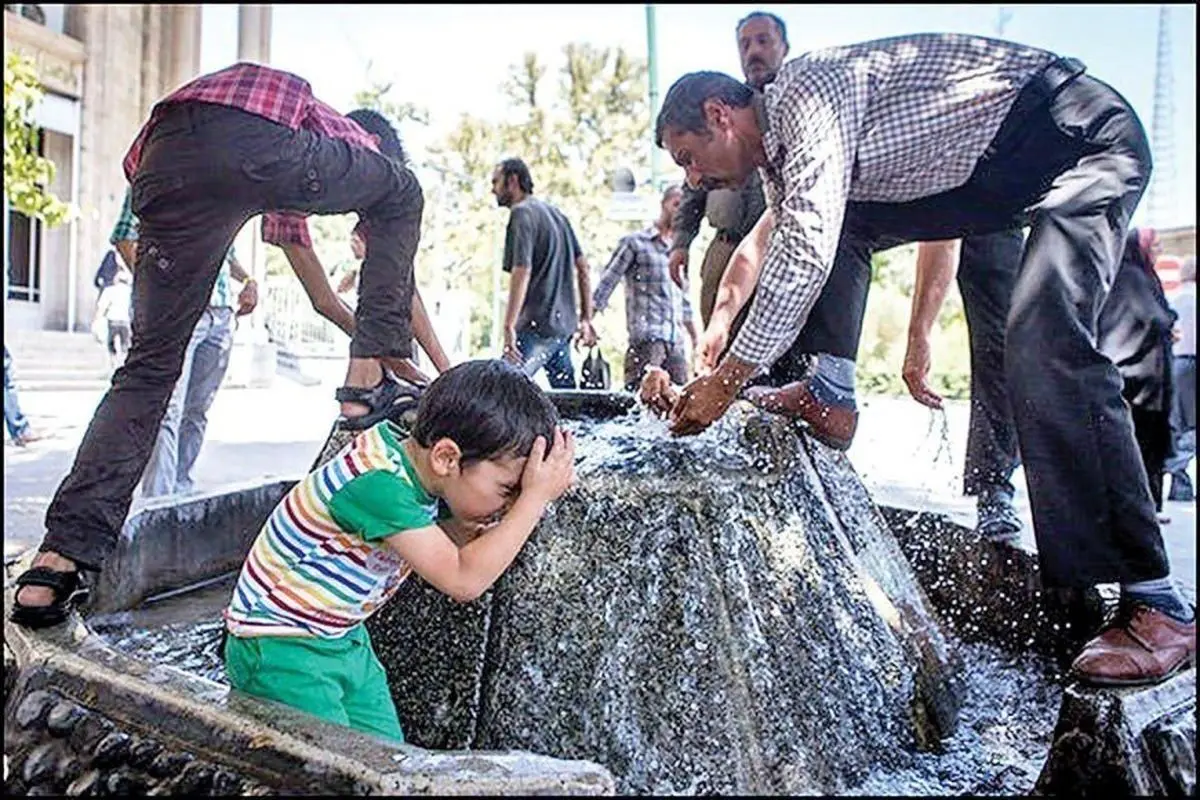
[(25, 250)]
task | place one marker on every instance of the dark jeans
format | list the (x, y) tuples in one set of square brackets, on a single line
[(551, 352), (987, 272), (1072, 161), (205, 171)]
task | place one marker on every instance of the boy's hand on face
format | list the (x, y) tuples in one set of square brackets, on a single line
[(548, 475)]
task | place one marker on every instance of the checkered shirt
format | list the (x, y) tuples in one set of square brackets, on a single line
[(655, 308), (889, 121), (272, 94)]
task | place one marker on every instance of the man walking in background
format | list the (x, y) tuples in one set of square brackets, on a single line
[(657, 312), (540, 253)]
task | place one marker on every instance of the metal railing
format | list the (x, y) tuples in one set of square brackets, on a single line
[(293, 323)]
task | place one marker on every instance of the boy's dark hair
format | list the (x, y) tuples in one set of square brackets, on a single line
[(489, 408), (375, 123), (779, 24), (515, 166), (683, 107)]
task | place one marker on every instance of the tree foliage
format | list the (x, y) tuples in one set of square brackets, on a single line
[(26, 174)]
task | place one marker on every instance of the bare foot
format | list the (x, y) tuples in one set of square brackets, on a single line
[(41, 596)]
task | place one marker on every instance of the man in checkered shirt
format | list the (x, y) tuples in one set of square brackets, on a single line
[(657, 312), (225, 147), (939, 136)]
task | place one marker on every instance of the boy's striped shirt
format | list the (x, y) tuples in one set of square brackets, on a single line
[(318, 566)]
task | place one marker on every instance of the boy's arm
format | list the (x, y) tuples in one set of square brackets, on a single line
[(464, 573)]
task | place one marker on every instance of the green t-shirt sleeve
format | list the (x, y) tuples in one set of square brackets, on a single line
[(379, 504)]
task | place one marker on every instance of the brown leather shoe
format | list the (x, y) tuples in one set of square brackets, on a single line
[(1140, 646), (832, 425)]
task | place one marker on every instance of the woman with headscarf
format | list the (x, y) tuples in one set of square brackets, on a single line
[(1134, 330)]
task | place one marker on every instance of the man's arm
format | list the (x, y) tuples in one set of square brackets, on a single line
[(737, 284), (936, 264), (817, 123), (425, 335), (613, 271), (685, 227), (308, 269), (124, 234)]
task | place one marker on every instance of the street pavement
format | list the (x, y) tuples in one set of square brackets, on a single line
[(907, 455)]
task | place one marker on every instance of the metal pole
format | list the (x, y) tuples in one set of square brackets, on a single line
[(652, 68)]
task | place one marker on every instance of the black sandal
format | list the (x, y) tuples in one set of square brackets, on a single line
[(70, 591), (390, 398)]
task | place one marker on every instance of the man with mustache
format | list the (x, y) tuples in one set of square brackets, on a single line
[(987, 266), (936, 136)]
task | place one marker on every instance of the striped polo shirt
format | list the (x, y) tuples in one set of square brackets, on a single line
[(319, 566)]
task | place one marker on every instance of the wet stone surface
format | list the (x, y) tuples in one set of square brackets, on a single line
[(56, 746)]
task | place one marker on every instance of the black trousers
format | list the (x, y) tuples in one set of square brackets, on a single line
[(205, 171), (1070, 160), (987, 272)]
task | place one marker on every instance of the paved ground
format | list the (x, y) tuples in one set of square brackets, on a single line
[(905, 453)]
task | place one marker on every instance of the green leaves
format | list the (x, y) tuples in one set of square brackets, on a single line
[(26, 174)]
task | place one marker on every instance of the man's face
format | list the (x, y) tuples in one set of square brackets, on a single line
[(504, 196), (670, 205), (762, 51), (716, 159)]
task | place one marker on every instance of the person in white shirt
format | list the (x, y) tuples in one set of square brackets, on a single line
[(1183, 410), (113, 307)]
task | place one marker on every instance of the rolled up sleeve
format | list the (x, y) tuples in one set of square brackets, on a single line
[(817, 124), (285, 227)]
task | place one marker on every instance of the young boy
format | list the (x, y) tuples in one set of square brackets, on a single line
[(487, 442)]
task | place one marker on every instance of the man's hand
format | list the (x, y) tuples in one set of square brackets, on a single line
[(678, 263), (916, 370), (712, 343), (706, 398), (657, 392), (247, 298), (511, 353), (548, 475), (585, 334)]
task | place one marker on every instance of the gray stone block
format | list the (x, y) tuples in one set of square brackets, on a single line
[(174, 542), (1137, 741)]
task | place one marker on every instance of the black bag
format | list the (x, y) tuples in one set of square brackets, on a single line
[(595, 371)]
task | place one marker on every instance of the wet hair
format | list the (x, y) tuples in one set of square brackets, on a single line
[(673, 188), (683, 107), (515, 166), (377, 124), (489, 408), (779, 23)]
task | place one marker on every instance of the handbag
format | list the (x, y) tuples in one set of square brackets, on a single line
[(595, 372)]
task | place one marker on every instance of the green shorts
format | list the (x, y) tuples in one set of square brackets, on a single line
[(339, 680)]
